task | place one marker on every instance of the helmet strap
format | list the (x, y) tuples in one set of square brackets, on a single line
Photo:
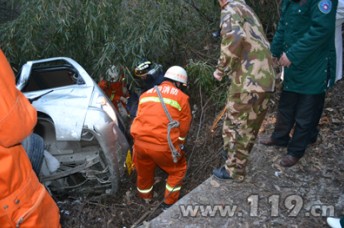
[(177, 84)]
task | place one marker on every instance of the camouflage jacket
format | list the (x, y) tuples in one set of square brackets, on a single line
[(245, 54)]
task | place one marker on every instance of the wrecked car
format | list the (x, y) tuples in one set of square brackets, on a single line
[(80, 126)]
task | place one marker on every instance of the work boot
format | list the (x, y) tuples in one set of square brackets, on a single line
[(221, 173), (147, 201), (164, 206), (315, 140), (224, 154), (268, 141), (288, 160), (334, 222)]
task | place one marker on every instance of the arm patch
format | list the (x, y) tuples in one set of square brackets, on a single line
[(325, 6)]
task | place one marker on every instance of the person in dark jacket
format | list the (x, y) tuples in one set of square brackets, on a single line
[(147, 75), (303, 44)]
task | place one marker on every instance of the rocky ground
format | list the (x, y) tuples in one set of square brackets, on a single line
[(315, 184)]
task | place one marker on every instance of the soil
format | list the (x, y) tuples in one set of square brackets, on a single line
[(322, 160)]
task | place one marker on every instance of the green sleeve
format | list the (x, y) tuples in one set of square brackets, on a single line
[(321, 30)]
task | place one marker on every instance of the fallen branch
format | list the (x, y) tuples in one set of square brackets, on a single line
[(145, 215), (217, 119)]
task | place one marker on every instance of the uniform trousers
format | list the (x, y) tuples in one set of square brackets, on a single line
[(244, 116), (147, 159), (302, 111)]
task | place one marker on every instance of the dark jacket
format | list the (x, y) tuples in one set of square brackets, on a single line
[(306, 34)]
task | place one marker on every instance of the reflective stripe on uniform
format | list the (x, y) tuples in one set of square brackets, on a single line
[(168, 101), (173, 189), (145, 191)]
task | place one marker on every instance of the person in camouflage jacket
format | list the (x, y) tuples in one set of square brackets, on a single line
[(246, 59)]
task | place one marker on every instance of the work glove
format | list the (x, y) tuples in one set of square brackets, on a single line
[(218, 75), (124, 100)]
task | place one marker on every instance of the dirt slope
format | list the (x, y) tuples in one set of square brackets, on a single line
[(316, 182)]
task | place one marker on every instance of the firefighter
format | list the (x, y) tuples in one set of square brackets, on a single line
[(23, 200), (114, 87), (147, 74), (159, 132)]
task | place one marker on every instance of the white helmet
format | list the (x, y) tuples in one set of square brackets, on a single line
[(177, 73), (112, 73)]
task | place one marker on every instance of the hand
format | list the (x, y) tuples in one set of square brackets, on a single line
[(275, 62), (218, 75), (123, 99), (284, 61)]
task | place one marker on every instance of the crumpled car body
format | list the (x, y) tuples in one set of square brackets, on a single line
[(80, 126)]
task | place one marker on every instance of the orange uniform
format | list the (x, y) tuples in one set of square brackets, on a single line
[(151, 149), (23, 200), (114, 90)]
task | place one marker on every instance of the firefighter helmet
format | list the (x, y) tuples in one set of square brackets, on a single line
[(177, 73), (112, 74), (143, 68)]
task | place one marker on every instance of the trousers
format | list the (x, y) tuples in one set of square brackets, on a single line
[(302, 111), (147, 160), (244, 116), (34, 147)]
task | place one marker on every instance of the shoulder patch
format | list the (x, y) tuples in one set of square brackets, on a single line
[(325, 6)]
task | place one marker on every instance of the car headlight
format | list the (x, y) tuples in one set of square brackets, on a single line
[(103, 101)]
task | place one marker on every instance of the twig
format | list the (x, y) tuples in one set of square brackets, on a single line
[(145, 215), (217, 119), (193, 5), (96, 204)]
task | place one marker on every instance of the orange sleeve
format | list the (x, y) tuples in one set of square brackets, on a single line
[(185, 119), (102, 84), (17, 115)]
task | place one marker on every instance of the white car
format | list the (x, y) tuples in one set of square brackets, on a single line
[(80, 126)]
